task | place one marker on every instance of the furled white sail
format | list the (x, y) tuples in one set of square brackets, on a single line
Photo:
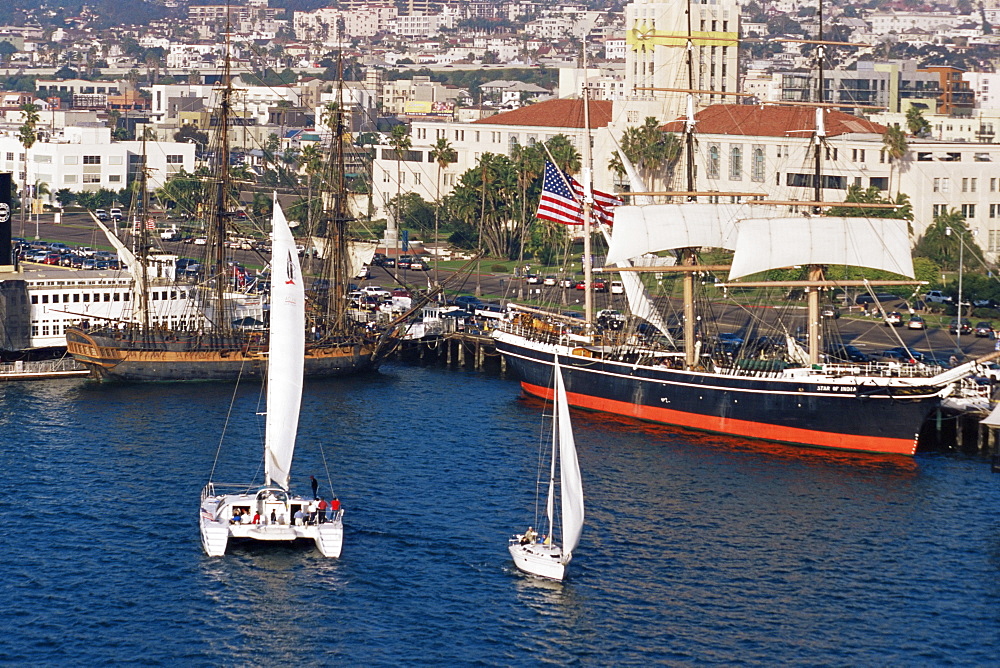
[(658, 227), (287, 353), (359, 253), (569, 472), (772, 243)]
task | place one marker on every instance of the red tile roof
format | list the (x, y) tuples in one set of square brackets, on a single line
[(773, 121), (562, 113)]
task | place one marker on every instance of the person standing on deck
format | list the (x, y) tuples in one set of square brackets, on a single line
[(315, 486)]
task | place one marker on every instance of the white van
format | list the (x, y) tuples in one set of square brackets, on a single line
[(617, 288)]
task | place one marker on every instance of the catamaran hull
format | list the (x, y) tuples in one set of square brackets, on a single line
[(107, 360), (853, 416), (217, 532), (537, 559)]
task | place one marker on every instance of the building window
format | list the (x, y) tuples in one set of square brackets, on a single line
[(735, 163), (114, 178), (713, 161), (757, 170), (416, 178), (969, 211), (939, 210), (512, 142), (175, 159), (994, 210), (386, 178), (91, 159), (91, 178), (994, 241)]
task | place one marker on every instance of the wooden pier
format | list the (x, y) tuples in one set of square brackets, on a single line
[(460, 350)]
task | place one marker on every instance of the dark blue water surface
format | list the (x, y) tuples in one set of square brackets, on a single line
[(697, 550)]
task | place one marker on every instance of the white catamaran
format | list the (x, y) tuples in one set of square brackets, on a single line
[(547, 558), (271, 512)]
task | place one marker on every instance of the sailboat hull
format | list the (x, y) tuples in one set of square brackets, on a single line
[(848, 413), (545, 561), (114, 357)]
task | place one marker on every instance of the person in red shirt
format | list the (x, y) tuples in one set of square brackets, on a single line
[(334, 507), (321, 511)]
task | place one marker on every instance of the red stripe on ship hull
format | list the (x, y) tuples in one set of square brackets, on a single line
[(759, 430)]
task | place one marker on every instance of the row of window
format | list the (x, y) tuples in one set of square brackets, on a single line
[(969, 184), (78, 297), (757, 163), (968, 210)]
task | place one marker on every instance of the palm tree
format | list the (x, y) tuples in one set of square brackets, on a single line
[(443, 155), (567, 158), (400, 141), (895, 147), (916, 123), (27, 135), (649, 149), (942, 246), (312, 162)]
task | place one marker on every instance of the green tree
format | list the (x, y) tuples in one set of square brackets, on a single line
[(399, 140), (895, 147), (415, 213), (566, 156), (872, 195), (442, 154), (65, 197), (916, 123), (27, 134), (650, 150), (942, 240)]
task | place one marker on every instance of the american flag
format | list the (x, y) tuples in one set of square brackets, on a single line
[(560, 205)]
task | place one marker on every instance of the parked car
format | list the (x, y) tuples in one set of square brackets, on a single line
[(894, 319), (404, 261), (600, 285), (51, 258), (611, 319), (984, 329), (617, 288), (830, 311), (468, 302), (115, 213), (567, 283), (847, 353), (375, 290), (101, 214), (985, 303), (532, 279), (729, 342), (549, 280), (916, 322), (966, 327), (937, 297), (903, 354)]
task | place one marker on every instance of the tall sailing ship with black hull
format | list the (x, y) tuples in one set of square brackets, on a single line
[(786, 390), (219, 340)]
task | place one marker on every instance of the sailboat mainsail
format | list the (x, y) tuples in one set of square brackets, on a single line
[(287, 350), (569, 473), (548, 559)]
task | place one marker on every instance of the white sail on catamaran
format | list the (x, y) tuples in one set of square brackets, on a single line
[(271, 508)]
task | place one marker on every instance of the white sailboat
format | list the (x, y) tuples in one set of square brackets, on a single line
[(547, 558), (271, 512)]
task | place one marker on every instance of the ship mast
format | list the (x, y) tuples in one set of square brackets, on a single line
[(816, 271), (141, 238), (218, 217), (689, 255), (335, 218)]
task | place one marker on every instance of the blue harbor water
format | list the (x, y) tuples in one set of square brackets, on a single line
[(697, 550)]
